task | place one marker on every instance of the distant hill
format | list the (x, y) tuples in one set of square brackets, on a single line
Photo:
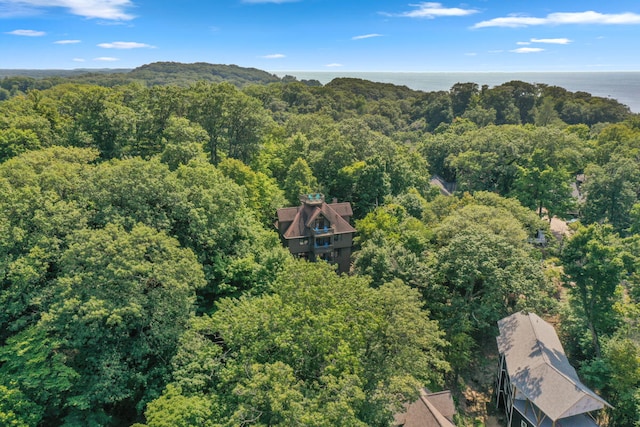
[(178, 73), (43, 74), (157, 73)]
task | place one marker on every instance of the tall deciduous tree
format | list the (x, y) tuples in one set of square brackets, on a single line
[(539, 186), (234, 121), (320, 350), (123, 301), (611, 191), (262, 192), (300, 180), (593, 267), (182, 141)]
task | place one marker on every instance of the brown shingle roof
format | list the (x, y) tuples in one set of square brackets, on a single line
[(430, 410), (287, 214), (302, 218), (540, 370)]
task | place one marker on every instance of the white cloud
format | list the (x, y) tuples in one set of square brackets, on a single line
[(366, 36), (78, 59), (274, 56), (523, 43), (27, 33), (471, 54), (125, 45), (561, 18), (104, 9), (432, 10), (552, 41), (66, 41), (527, 50), (333, 65), (106, 59)]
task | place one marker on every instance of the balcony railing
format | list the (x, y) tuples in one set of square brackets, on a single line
[(322, 247), (322, 231)]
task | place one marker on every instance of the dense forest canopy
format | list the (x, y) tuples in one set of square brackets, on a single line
[(142, 280)]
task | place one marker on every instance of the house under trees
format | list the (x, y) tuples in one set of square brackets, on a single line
[(317, 230)]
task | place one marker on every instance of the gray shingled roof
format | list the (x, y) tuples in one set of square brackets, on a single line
[(539, 369)]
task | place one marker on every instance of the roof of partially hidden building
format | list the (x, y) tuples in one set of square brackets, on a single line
[(302, 218), (539, 368), (430, 410), (446, 188)]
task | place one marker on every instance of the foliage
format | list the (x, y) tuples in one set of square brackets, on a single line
[(138, 260), (320, 350), (593, 266), (471, 262)]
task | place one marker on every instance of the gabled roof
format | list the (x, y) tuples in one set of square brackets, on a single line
[(302, 218), (430, 410), (539, 368), (343, 209), (287, 214)]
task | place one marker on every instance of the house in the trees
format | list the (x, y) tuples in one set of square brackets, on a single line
[(430, 410), (536, 385), (446, 188), (317, 230)]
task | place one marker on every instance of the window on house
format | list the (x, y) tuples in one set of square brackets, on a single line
[(323, 241), (320, 223), (304, 242)]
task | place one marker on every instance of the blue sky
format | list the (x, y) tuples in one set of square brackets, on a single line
[(318, 35)]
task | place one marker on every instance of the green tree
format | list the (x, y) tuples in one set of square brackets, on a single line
[(35, 377), (545, 113), (182, 142), (99, 119), (321, 350), (41, 203), (16, 141), (173, 409), (593, 267), (501, 100), (16, 410), (122, 301), (262, 193), (611, 192), (461, 97), (469, 259), (540, 186), (234, 121), (300, 180), (365, 184)]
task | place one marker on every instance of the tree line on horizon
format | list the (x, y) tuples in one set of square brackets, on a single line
[(142, 281)]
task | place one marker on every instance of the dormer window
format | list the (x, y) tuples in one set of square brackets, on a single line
[(321, 223)]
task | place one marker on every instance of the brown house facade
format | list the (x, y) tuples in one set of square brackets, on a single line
[(317, 230)]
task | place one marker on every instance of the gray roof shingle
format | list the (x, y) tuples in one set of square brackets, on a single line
[(540, 370)]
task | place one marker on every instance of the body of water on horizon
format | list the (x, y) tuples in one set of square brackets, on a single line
[(624, 86)]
